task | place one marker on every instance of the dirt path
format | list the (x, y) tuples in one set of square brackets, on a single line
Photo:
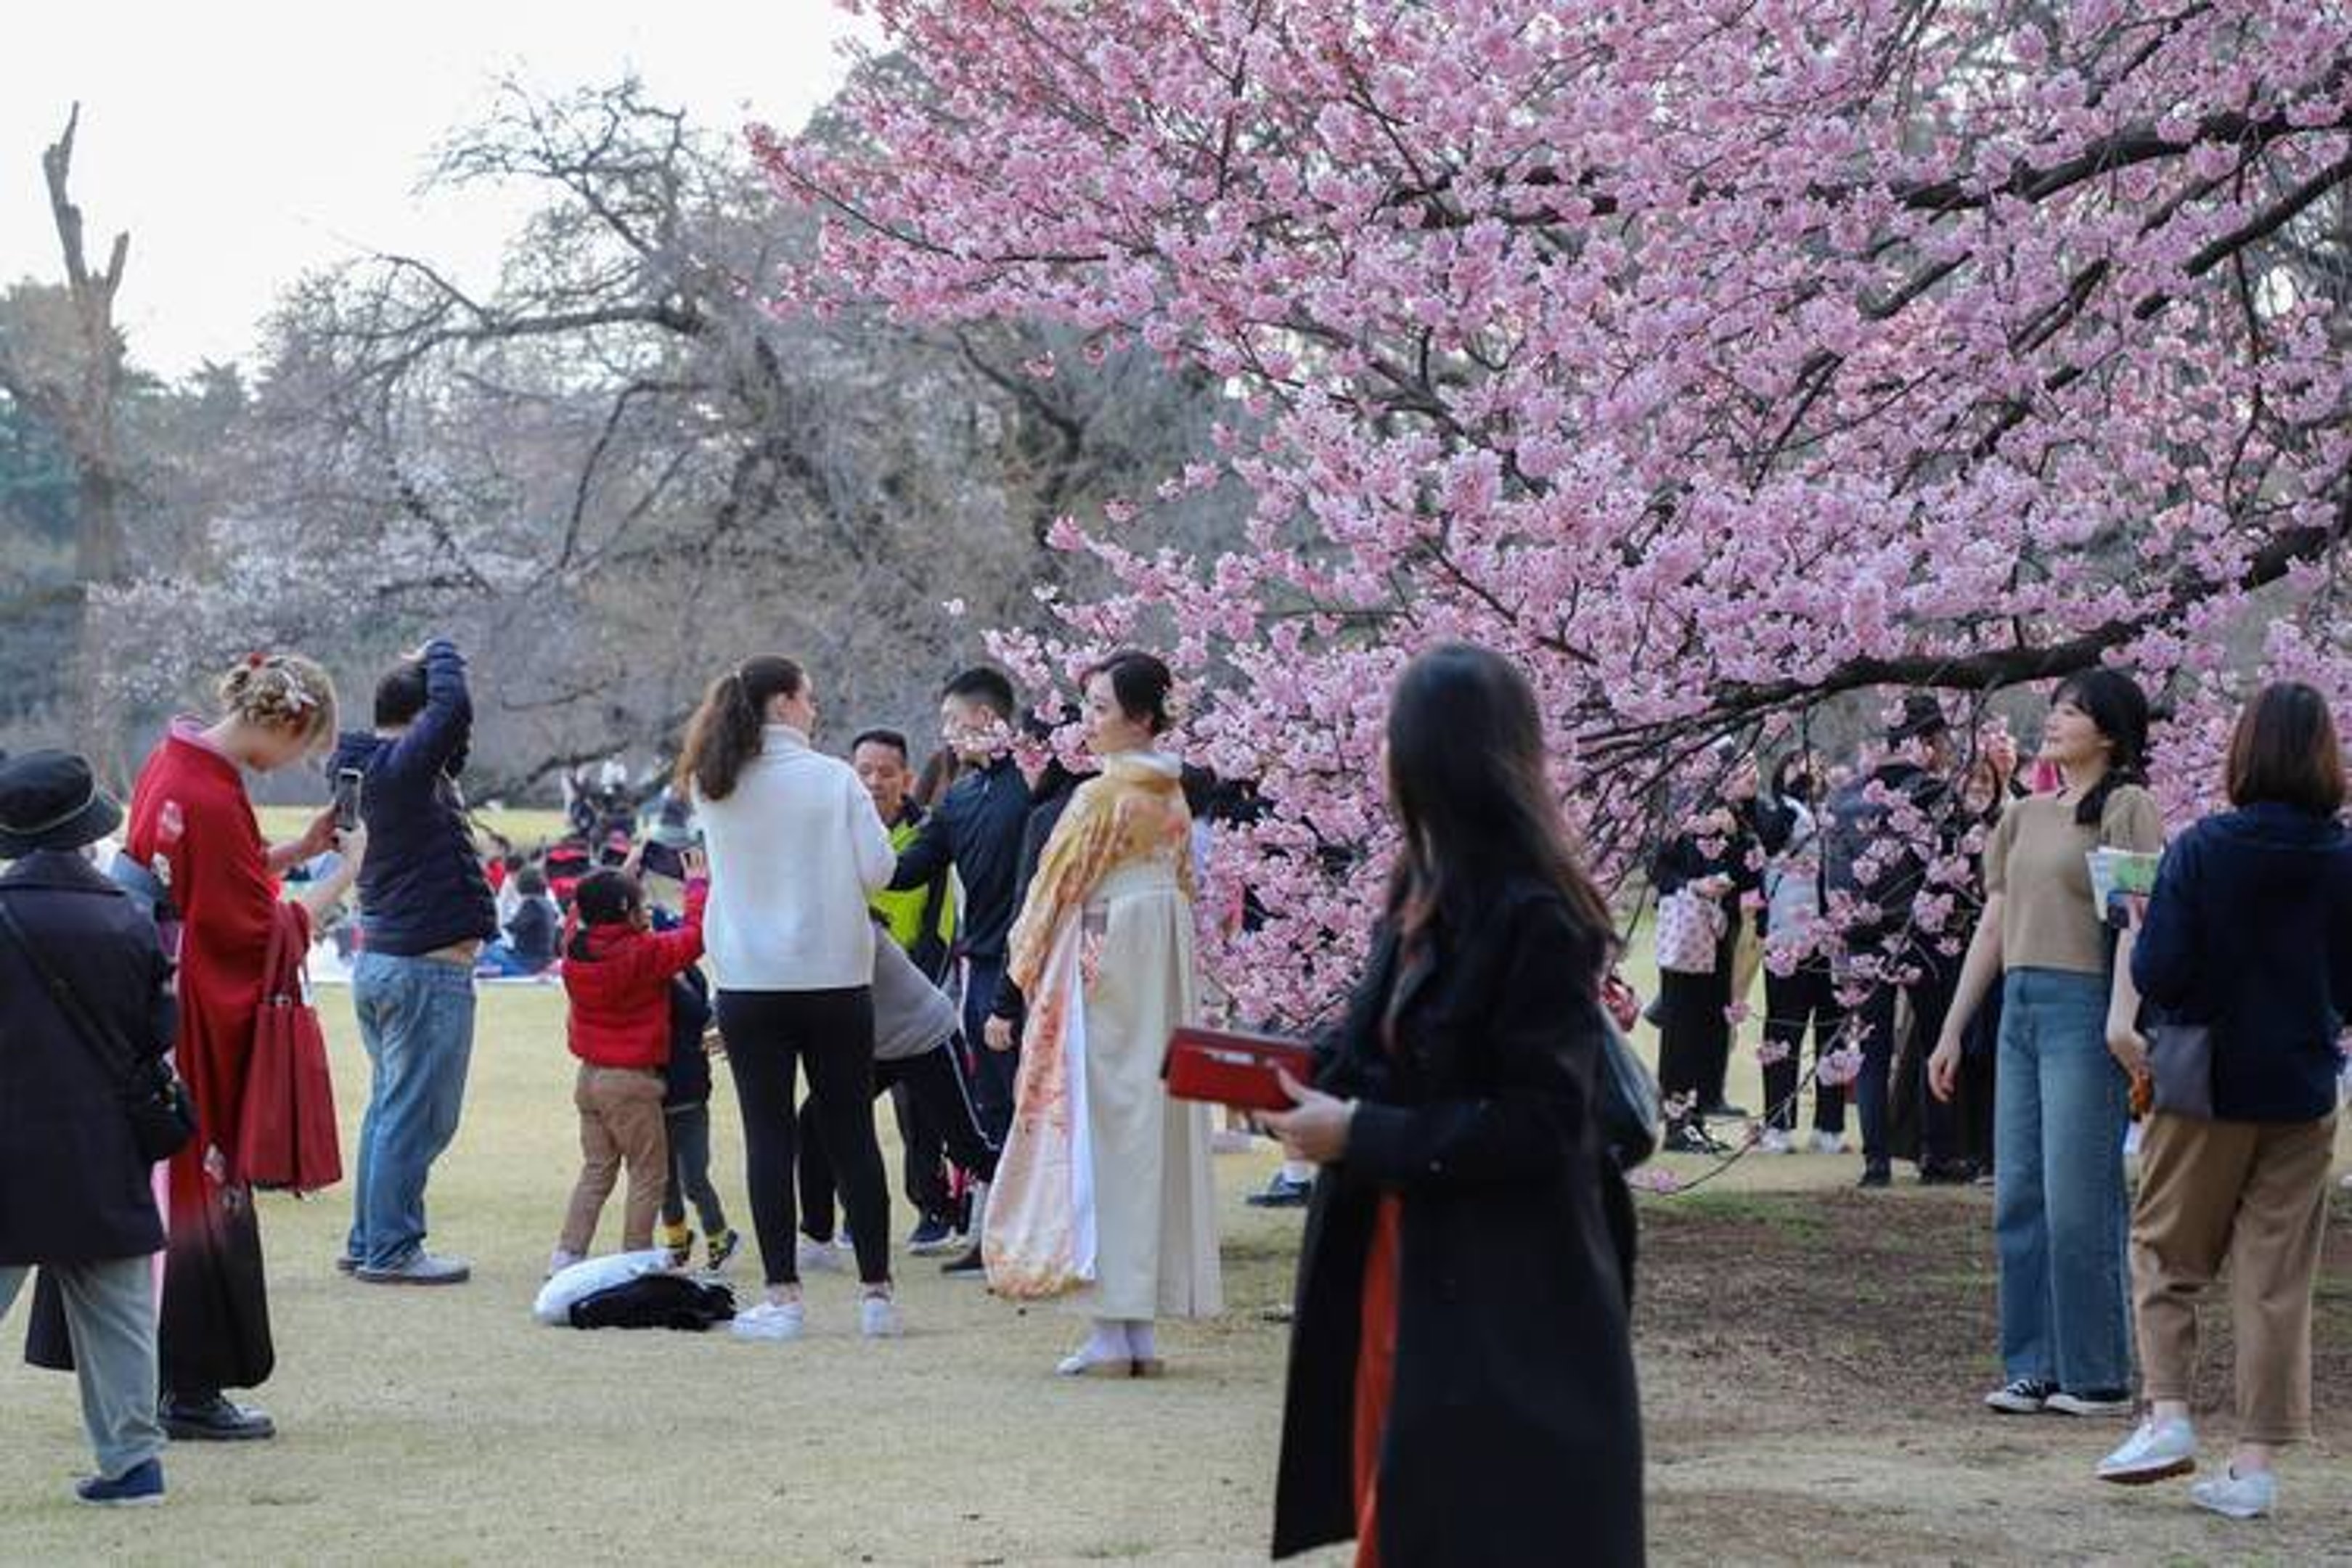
[(1812, 1367)]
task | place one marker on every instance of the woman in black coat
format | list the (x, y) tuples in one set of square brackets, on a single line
[(1461, 1385), (76, 1198)]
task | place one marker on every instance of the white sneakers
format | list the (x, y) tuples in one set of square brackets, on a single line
[(877, 1317), (1772, 1141), (2157, 1451), (1829, 1143), (770, 1321), (2233, 1496), (2161, 1449)]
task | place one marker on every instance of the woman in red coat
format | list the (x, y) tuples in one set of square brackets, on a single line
[(193, 827)]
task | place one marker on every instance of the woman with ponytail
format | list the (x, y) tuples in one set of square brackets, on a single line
[(795, 848), (2060, 1209)]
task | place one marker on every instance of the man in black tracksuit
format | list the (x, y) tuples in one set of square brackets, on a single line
[(976, 827)]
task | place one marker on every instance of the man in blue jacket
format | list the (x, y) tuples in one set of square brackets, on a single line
[(426, 909), (976, 829)]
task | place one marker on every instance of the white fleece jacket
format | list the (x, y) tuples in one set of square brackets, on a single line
[(794, 849)]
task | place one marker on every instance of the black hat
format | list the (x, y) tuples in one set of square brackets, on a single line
[(1923, 717), (49, 801)]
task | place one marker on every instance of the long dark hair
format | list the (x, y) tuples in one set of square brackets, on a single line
[(725, 734), (1467, 777), (2115, 704)]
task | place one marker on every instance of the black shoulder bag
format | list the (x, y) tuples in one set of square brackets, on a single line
[(163, 1118)]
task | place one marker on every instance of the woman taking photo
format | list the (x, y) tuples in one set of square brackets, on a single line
[(2062, 1105), (192, 830), (1103, 1186), (1799, 994), (795, 847), (1461, 1386), (2249, 935), (1709, 860)]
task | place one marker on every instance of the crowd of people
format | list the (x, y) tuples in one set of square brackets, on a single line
[(1928, 917), (1004, 941)]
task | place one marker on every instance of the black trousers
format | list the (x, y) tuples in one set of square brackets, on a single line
[(992, 1072), (1805, 999), (925, 1164), (1939, 1132), (934, 1082), (830, 1035), (1693, 1036), (1980, 1056)]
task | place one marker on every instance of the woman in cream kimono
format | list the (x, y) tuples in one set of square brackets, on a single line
[(1103, 1188)]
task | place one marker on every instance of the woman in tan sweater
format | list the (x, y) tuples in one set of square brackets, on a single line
[(2060, 1208)]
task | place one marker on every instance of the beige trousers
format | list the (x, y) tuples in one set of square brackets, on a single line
[(2255, 1193), (620, 1123)]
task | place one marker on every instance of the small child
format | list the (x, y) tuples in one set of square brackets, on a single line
[(686, 1109), (617, 975)]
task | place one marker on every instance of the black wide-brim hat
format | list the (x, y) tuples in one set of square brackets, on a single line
[(49, 801)]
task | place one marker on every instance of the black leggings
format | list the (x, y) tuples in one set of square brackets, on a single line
[(1694, 1035), (1805, 998), (934, 1082), (830, 1034)]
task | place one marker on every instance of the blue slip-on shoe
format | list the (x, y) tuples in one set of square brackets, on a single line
[(140, 1486)]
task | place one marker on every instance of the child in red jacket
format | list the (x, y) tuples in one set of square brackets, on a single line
[(617, 975)]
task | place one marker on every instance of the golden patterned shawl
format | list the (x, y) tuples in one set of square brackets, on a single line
[(1038, 1236)]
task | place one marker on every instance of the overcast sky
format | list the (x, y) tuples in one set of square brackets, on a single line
[(242, 142)]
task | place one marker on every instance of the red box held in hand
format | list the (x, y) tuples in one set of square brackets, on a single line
[(1224, 1068)]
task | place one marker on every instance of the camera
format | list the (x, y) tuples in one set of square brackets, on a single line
[(664, 860)]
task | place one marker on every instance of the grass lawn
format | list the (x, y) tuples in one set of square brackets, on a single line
[(1810, 1360)]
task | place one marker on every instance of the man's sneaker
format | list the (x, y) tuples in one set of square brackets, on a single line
[(140, 1486), (677, 1240), (1874, 1178), (2097, 1402), (970, 1264), (419, 1268), (770, 1321), (346, 1264), (1829, 1143), (1282, 1193), (214, 1419), (933, 1234), (1690, 1138), (819, 1257), (1772, 1141), (723, 1247), (877, 1317), (1947, 1172), (2158, 1449), (2024, 1397), (2233, 1496)]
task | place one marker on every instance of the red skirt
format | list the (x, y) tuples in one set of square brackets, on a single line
[(1375, 1375)]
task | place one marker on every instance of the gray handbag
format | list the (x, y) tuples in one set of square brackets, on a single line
[(2180, 1060)]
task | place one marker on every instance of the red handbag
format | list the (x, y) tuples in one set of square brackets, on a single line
[(286, 1134), (1225, 1067)]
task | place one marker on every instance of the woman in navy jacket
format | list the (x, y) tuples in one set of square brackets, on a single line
[(2249, 932)]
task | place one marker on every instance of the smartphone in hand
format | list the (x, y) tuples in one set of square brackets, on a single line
[(347, 799)]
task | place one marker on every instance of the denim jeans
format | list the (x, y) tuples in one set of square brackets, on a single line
[(111, 1316), (2061, 1216), (416, 1020)]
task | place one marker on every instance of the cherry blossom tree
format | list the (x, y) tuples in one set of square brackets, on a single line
[(1717, 359)]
